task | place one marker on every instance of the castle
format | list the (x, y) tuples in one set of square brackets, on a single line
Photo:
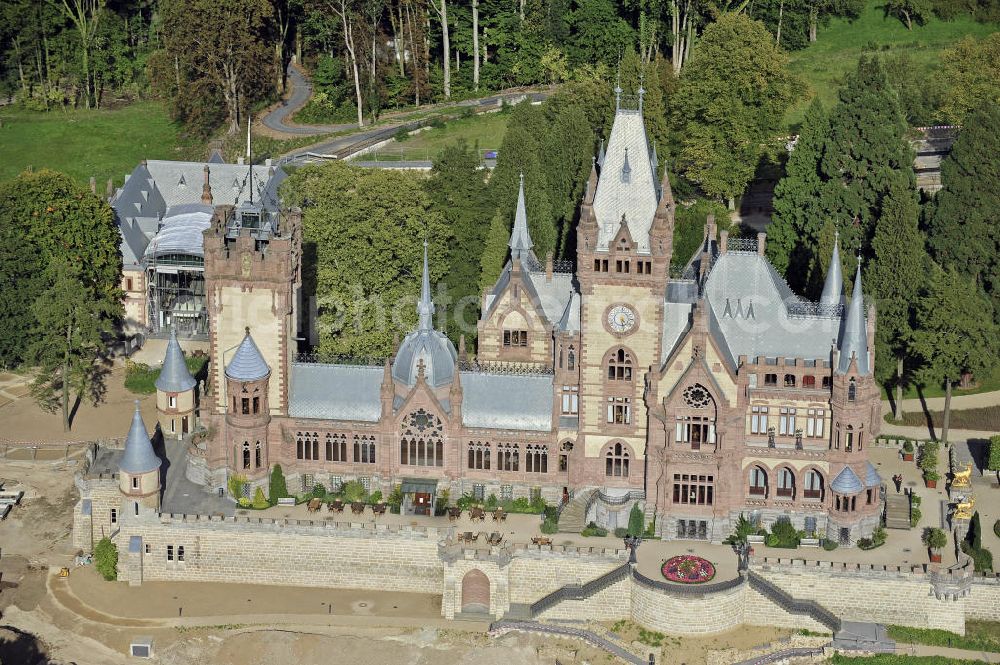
[(705, 397)]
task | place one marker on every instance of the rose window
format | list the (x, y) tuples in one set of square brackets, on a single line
[(697, 397)]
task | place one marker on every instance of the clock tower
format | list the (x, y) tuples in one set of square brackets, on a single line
[(624, 243)]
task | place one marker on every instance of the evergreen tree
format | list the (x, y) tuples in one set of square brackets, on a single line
[(866, 154), (953, 334), (494, 251), (567, 151), (963, 231), (277, 488), (970, 76), (733, 93), (458, 192), (798, 215), (895, 277)]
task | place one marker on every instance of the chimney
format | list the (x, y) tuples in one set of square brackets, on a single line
[(548, 267), (723, 242), (761, 243), (93, 185), (206, 189)]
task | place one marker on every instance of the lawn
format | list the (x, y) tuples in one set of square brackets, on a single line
[(979, 636), (892, 659), (987, 385), (102, 143), (141, 379), (840, 43), (485, 130), (986, 419)]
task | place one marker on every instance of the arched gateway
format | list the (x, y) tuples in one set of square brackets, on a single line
[(476, 592)]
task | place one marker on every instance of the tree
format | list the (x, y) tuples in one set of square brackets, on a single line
[(86, 16), (106, 559), (730, 100), (910, 11), (222, 45), (366, 228), (441, 9), (895, 277), (866, 154), (935, 539), (494, 251), (953, 333), (20, 271), (566, 153), (458, 192), (970, 75), (277, 489), (963, 232), (636, 521), (798, 214)]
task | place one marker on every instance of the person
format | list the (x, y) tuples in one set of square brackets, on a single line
[(898, 480)]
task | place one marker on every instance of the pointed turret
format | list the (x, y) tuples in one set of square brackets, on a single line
[(833, 287), (174, 376), (139, 457), (626, 169), (854, 344), (588, 196), (247, 364), (520, 240), (425, 308)]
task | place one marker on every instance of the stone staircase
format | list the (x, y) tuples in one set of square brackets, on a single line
[(897, 511), (573, 517), (793, 605)]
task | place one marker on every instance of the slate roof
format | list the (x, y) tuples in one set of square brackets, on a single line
[(174, 375), (634, 195), (139, 456), (749, 303), (335, 392), (833, 286), (847, 482), (507, 401), (855, 338), (520, 240), (247, 363), (872, 479)]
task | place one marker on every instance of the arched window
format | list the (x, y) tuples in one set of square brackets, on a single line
[(789, 380), (758, 481), (479, 455), (852, 390), (246, 454), (786, 482), (809, 381), (620, 366), (257, 456), (537, 459), (571, 358), (813, 485), (616, 461), (508, 457), (364, 449)]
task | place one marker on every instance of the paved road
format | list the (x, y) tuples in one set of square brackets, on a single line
[(301, 92)]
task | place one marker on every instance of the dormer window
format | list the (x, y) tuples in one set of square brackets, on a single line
[(515, 338)]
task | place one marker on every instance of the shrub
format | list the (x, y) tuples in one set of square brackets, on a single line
[(934, 538), (650, 531), (915, 516), (783, 534), (929, 459), (829, 545), (975, 534), (621, 532), (353, 491), (277, 488), (993, 459), (996, 528), (635, 521), (465, 501), (491, 502), (243, 502), (551, 513), (866, 544), (395, 499), (376, 497), (907, 446), (402, 134), (982, 559), (236, 483), (744, 528), (259, 500), (106, 559), (319, 491), (550, 526), (593, 530)]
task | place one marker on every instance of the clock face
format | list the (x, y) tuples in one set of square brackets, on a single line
[(621, 319)]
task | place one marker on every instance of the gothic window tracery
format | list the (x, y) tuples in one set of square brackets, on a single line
[(620, 366), (616, 461), (421, 443)]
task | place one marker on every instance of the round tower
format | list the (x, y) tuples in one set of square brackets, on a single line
[(248, 412), (139, 468), (175, 394)]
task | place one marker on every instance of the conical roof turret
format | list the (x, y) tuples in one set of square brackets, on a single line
[(854, 343), (520, 240), (174, 376), (833, 287), (247, 364), (139, 456)]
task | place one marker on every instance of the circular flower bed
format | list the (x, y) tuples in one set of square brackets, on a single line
[(688, 569)]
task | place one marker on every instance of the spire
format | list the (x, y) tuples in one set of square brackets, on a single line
[(666, 193), (626, 169), (855, 341), (833, 287), (600, 155), (618, 86), (138, 456), (425, 308), (520, 240), (588, 196), (174, 375), (206, 189)]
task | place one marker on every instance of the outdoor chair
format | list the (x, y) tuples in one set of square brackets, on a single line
[(357, 507)]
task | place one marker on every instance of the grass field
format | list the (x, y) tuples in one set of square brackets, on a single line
[(979, 636), (892, 659), (840, 43), (990, 384), (104, 144), (985, 419), (485, 130)]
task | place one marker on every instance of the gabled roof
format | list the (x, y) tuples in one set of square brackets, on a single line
[(174, 375), (627, 185), (846, 482), (139, 456), (247, 363)]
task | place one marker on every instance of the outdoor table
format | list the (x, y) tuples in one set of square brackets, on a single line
[(498, 514), (357, 507), (477, 514), (454, 513), (335, 506), (379, 509)]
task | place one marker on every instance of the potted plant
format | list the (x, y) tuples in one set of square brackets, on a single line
[(931, 478), (935, 540), (929, 462), (907, 451)]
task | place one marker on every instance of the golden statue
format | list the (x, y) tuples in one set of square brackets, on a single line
[(962, 478), (964, 508)]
